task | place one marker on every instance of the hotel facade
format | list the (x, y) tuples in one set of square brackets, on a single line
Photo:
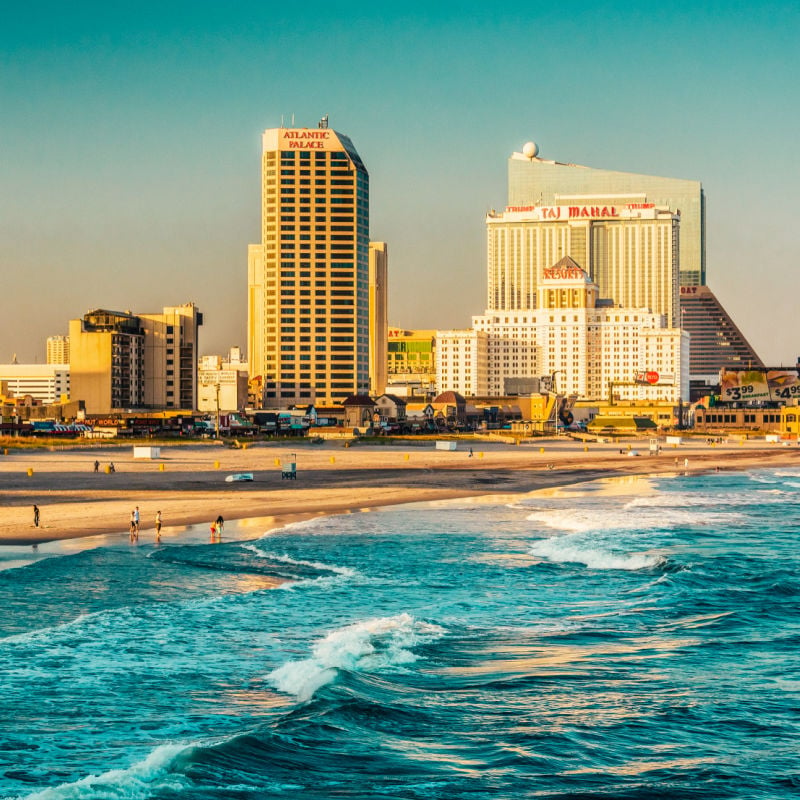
[(533, 180), (590, 347), (630, 251), (308, 279)]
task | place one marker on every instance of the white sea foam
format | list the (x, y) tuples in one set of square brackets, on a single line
[(564, 549), (137, 782), (284, 559), (368, 646), (636, 515), (301, 524), (95, 622)]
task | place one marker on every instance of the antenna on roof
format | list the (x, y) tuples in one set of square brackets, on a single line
[(293, 120), (323, 123)]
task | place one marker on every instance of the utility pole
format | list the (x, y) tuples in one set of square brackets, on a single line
[(216, 422)]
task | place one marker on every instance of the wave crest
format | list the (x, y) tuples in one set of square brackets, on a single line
[(367, 646), (136, 782), (561, 550)]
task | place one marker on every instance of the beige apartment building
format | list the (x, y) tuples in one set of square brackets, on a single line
[(222, 383), (121, 361), (378, 317), (308, 279)]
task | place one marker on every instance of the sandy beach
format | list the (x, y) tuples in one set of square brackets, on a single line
[(188, 487)]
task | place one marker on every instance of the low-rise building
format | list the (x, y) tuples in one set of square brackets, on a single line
[(46, 383)]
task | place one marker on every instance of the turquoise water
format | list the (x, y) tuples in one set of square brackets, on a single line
[(612, 640)]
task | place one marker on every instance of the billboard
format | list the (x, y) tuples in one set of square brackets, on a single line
[(759, 385), (784, 384)]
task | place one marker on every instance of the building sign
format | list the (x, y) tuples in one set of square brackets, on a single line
[(562, 273), (759, 384), (688, 290), (784, 384), (306, 139), (567, 212), (650, 377), (744, 385)]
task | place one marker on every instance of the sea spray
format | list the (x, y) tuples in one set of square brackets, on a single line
[(368, 646), (136, 782)]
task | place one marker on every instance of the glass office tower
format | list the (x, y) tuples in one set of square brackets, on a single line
[(535, 181)]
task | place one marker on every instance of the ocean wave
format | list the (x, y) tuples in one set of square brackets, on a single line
[(630, 518), (285, 559), (562, 549), (367, 646), (94, 622), (302, 524), (136, 782)]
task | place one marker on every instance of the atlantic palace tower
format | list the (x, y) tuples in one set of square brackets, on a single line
[(308, 280)]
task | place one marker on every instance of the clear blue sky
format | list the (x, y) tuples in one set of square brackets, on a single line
[(130, 142)]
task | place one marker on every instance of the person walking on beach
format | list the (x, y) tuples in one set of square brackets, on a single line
[(97, 466), (36, 516), (133, 526), (136, 520), (158, 526), (111, 466), (220, 523)]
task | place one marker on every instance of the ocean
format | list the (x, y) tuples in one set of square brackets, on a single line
[(632, 638)]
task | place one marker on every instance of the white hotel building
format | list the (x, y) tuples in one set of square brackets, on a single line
[(591, 347), (47, 383)]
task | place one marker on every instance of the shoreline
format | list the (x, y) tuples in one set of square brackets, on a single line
[(189, 488)]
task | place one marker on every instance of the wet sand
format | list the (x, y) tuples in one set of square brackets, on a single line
[(188, 488)]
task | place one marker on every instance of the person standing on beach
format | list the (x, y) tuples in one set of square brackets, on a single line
[(36, 516), (158, 526), (136, 520), (133, 525), (96, 466), (220, 523)]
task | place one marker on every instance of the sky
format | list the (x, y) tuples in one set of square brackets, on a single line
[(130, 138)]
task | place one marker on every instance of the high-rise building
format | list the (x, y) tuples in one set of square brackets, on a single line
[(717, 343), (122, 361), (378, 317), (533, 180), (58, 349), (308, 279), (629, 249), (536, 181)]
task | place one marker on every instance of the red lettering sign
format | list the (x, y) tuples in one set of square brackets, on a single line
[(305, 139), (592, 212), (561, 273)]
